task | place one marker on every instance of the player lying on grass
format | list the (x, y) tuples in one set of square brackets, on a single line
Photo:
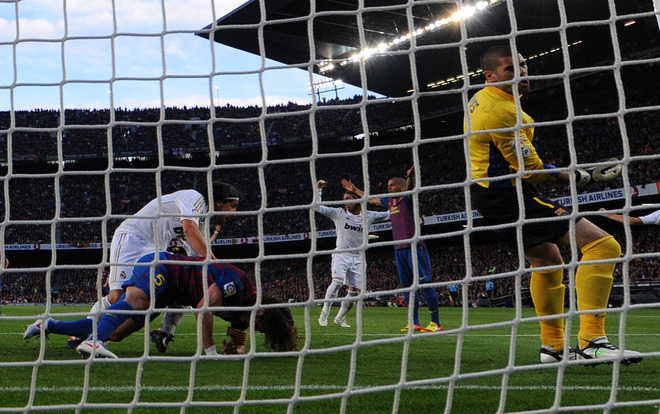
[(181, 284)]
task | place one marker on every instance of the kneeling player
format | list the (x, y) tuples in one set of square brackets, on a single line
[(180, 283)]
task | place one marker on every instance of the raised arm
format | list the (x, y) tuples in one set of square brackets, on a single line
[(320, 184), (410, 178), (349, 186)]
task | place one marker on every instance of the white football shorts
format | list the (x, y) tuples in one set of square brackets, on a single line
[(348, 269), (125, 250)]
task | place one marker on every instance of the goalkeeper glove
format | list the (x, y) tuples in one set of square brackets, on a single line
[(598, 174)]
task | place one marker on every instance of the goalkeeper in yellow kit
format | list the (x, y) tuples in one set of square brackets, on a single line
[(502, 158)]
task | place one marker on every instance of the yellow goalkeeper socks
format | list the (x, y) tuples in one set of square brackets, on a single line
[(548, 295), (593, 283)]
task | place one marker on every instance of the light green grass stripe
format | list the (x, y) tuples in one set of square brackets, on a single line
[(324, 388)]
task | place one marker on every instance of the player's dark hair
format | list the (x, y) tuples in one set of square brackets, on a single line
[(221, 192), (490, 59), (352, 194), (278, 327)]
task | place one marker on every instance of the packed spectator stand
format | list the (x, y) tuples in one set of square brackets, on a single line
[(62, 162)]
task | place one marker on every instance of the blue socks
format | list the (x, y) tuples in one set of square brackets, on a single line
[(81, 328), (111, 321), (432, 303), (416, 309)]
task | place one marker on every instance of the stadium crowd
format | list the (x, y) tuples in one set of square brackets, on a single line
[(287, 279), (91, 202), (288, 183)]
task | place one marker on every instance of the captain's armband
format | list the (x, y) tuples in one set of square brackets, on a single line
[(237, 336)]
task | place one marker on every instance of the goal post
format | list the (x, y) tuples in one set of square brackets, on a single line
[(104, 107)]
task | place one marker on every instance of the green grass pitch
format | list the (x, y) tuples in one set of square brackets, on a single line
[(485, 362)]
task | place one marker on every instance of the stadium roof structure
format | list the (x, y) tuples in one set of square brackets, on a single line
[(396, 30)]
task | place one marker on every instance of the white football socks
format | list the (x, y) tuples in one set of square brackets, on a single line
[(99, 307), (347, 305), (171, 321), (331, 293)]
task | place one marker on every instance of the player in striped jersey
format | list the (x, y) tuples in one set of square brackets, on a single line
[(179, 215), (174, 282), (403, 229)]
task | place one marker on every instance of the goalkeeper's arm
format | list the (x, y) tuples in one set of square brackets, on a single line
[(599, 174)]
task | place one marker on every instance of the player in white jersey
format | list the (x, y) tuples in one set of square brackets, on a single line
[(649, 219), (347, 263), (179, 215)]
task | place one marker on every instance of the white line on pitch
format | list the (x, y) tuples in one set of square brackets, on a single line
[(322, 387)]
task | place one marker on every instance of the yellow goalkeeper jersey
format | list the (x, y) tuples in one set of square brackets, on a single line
[(493, 153)]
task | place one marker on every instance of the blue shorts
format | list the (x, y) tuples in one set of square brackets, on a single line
[(141, 279), (404, 264)]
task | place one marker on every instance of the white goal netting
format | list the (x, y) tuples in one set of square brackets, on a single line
[(105, 106)]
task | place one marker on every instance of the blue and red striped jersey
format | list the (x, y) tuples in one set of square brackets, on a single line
[(185, 282), (402, 218)]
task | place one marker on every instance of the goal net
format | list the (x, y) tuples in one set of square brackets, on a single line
[(105, 106)]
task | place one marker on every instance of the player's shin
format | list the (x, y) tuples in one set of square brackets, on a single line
[(171, 321), (432, 303), (100, 306), (112, 320), (80, 328), (347, 305), (331, 293), (548, 295), (593, 283), (416, 307)]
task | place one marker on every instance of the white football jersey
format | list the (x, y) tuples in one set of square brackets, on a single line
[(159, 221), (653, 218), (349, 226)]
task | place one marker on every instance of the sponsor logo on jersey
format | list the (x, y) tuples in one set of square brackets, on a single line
[(524, 148), (229, 288), (473, 104), (196, 211), (349, 226)]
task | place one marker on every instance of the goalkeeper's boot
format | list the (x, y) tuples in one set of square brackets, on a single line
[(161, 339), (323, 319), (417, 328), (34, 329), (73, 342), (601, 351), (342, 322), (433, 327), (95, 349), (548, 355)]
